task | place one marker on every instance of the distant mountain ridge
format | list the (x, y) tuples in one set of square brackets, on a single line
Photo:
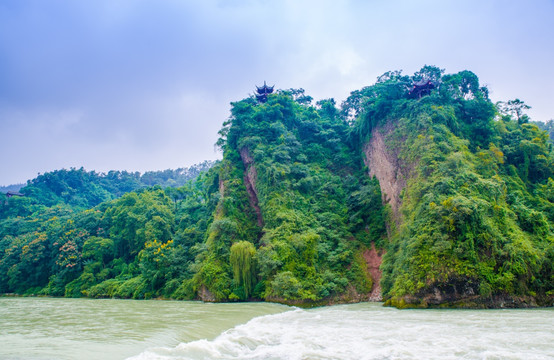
[(85, 189), (164, 178)]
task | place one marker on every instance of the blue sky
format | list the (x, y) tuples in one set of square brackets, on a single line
[(145, 85)]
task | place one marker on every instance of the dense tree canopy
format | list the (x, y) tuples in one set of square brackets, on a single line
[(291, 214), (476, 220), (81, 189)]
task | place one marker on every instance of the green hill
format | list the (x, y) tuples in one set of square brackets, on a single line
[(80, 189), (417, 190)]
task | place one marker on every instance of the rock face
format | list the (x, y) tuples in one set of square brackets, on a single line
[(383, 163), (460, 293), (450, 291), (205, 295), (250, 178)]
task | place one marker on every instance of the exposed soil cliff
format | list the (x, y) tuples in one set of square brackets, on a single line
[(250, 178), (373, 260), (383, 163)]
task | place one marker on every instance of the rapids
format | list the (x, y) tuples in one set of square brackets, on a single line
[(35, 328)]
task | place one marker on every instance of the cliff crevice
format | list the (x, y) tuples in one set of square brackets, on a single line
[(383, 163), (250, 179)]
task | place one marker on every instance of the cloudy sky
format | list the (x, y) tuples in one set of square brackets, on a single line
[(145, 85)]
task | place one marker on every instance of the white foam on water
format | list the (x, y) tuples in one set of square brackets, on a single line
[(368, 331)]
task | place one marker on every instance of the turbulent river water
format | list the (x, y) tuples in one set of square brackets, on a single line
[(46, 328)]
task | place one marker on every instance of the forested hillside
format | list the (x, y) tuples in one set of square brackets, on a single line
[(548, 127), (297, 212), (433, 197), (474, 225), (81, 189)]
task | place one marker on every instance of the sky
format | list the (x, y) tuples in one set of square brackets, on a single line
[(146, 85)]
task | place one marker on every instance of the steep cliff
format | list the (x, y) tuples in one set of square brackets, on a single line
[(297, 180), (466, 226), (446, 212), (250, 179), (383, 162)]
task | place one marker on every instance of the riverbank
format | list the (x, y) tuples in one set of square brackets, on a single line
[(475, 303)]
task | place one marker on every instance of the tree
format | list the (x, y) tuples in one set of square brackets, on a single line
[(548, 127), (242, 262), (514, 108), (389, 76), (463, 85), (428, 72)]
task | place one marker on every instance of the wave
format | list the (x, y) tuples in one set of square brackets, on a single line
[(370, 332)]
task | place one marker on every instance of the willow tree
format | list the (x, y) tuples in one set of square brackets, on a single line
[(242, 262)]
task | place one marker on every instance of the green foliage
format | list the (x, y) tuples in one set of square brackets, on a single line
[(289, 211), (285, 285), (547, 126), (242, 262), (315, 203), (359, 274), (514, 108), (82, 189), (134, 247), (475, 209)]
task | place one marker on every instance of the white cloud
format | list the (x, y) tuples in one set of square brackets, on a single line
[(146, 85)]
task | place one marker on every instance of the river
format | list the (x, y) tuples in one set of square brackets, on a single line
[(48, 328)]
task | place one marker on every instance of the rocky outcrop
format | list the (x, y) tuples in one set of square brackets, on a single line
[(384, 164), (250, 178), (205, 295), (463, 293), (448, 292)]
